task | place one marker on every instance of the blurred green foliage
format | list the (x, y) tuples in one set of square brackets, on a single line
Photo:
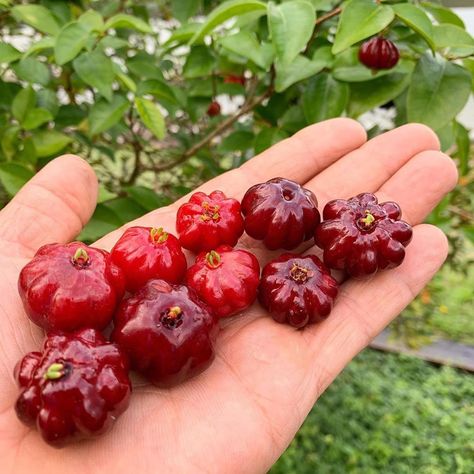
[(388, 414)]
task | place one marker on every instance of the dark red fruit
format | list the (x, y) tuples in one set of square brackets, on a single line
[(75, 388), (167, 332), (379, 53), (144, 253), (281, 213), (297, 290), (73, 286), (226, 279), (362, 236), (205, 222), (214, 109), (234, 79)]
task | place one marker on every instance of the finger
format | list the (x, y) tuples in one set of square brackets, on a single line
[(365, 307), (368, 167), (52, 207), (419, 185)]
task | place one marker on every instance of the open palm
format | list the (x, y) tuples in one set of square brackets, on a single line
[(240, 414)]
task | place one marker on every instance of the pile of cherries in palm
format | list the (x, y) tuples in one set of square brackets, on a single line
[(163, 317)]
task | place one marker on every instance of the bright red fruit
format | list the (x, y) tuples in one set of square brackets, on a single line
[(379, 53), (205, 222), (73, 286), (234, 79), (214, 109), (226, 279), (297, 290), (75, 388), (167, 332), (144, 253), (362, 236), (281, 213)]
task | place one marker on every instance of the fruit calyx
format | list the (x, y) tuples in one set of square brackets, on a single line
[(56, 371), (300, 274), (213, 259), (368, 221), (81, 258), (158, 235), (173, 317), (210, 212)]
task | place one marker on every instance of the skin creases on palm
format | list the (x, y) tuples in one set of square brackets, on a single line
[(241, 413)]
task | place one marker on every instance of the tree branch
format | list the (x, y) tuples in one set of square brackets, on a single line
[(327, 16)]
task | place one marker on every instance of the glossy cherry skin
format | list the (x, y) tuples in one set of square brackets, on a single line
[(379, 53), (226, 279), (72, 286), (297, 290), (145, 253), (205, 222), (214, 109), (281, 213), (75, 388), (167, 332), (362, 236)]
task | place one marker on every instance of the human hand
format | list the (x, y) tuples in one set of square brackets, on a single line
[(241, 413)]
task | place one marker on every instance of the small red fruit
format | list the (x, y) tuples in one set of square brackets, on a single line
[(144, 253), (205, 222), (362, 236), (226, 279), (297, 290), (379, 53), (234, 79), (167, 332), (72, 286), (75, 388), (281, 213), (214, 109)]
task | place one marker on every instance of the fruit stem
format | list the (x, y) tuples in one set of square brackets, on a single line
[(213, 259), (55, 371), (300, 274), (368, 220), (158, 236), (210, 212), (80, 257)]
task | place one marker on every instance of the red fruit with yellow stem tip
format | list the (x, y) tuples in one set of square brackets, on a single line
[(226, 279), (207, 221), (167, 332), (144, 253), (72, 286)]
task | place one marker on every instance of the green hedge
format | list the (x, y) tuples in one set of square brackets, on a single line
[(388, 414)]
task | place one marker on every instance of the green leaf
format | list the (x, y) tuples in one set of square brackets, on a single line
[(47, 99), (200, 62), (92, 20), (23, 101), (96, 70), (144, 66), (184, 9), (147, 198), (183, 34), (121, 20), (105, 115), (245, 44), (158, 89), (8, 53), (28, 152), (359, 20), (268, 137), (225, 12), (151, 116), (127, 81), (49, 142), (10, 141), (239, 140), (113, 42), (70, 41), (47, 42), (455, 41), (438, 91), (125, 208), (103, 221), (463, 144), (368, 95), (33, 71), (442, 14), (417, 20), (301, 68), (291, 25), (38, 17), (14, 176), (324, 98), (35, 118)]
